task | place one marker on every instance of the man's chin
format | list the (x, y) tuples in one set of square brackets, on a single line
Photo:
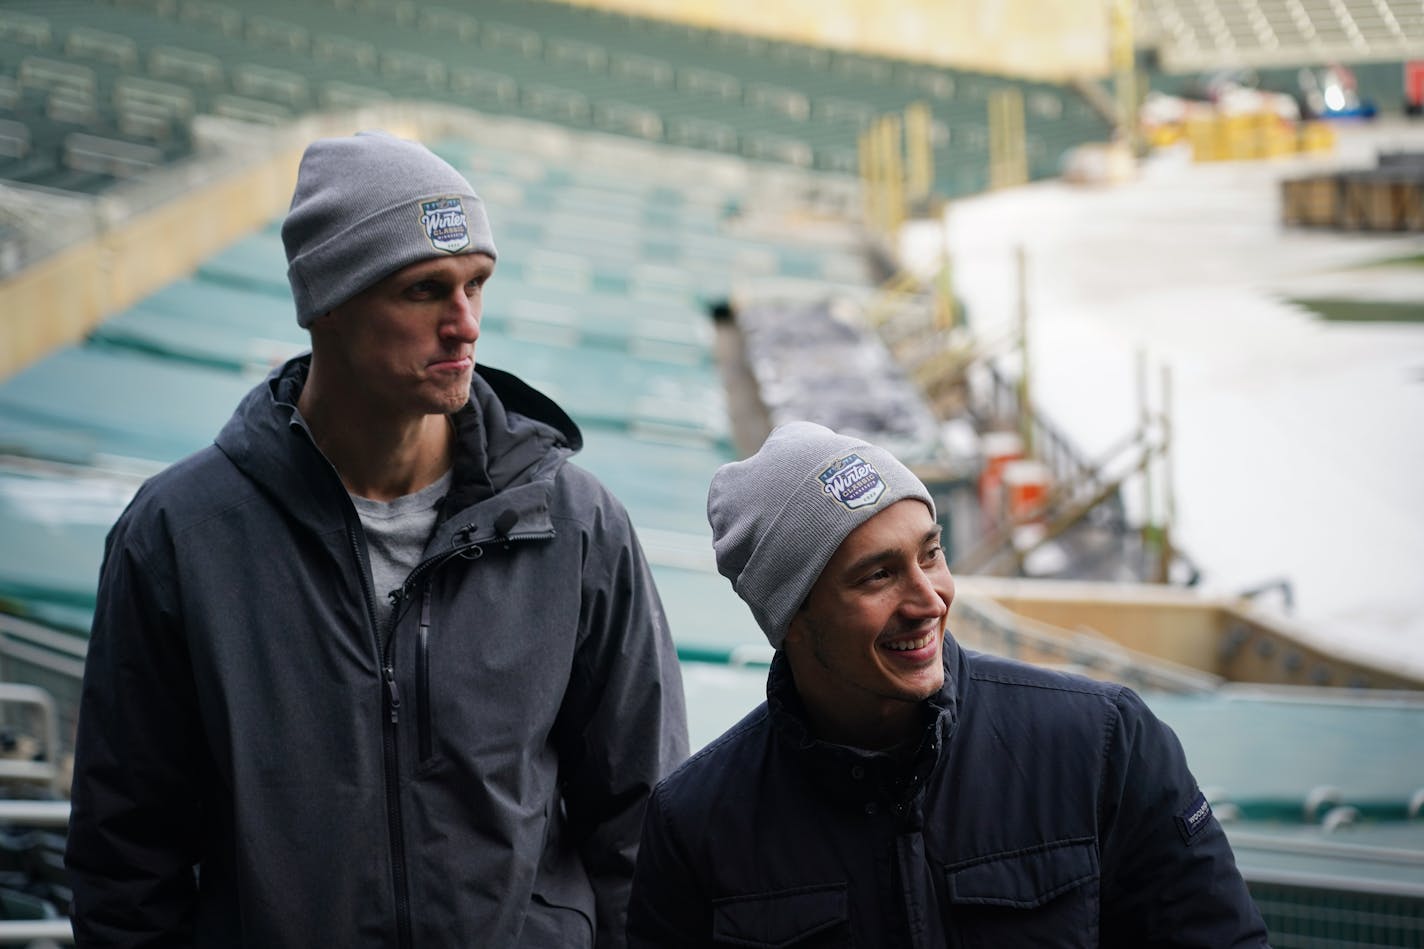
[(454, 394), (924, 686)]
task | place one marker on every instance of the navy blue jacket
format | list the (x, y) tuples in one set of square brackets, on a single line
[(1041, 809)]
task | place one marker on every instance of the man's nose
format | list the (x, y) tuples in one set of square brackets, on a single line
[(923, 598), (463, 319)]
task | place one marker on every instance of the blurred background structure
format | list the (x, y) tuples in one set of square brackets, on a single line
[(1136, 287)]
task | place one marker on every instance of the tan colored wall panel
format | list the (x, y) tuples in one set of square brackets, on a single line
[(59, 300), (1053, 39)]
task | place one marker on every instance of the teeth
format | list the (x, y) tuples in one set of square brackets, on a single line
[(912, 644)]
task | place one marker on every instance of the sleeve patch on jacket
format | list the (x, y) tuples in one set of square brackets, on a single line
[(1194, 817)]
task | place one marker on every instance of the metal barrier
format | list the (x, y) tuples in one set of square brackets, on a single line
[(50, 661), (1312, 910), (35, 771), (53, 815), (36, 933), (1063, 458), (1307, 918)]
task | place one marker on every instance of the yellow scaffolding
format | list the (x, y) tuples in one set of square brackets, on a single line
[(869, 166), (919, 154), (889, 140), (896, 159), (1008, 156)]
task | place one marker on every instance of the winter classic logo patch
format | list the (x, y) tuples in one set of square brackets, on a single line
[(445, 224), (853, 481)]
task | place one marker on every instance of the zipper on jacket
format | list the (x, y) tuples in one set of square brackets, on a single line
[(385, 653), (393, 815), (392, 759), (392, 695), (399, 872), (422, 677), (463, 540)]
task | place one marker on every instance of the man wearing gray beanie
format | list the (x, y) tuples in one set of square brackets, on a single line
[(897, 790), (382, 667)]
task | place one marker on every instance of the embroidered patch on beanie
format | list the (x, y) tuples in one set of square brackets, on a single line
[(852, 481), (445, 224)]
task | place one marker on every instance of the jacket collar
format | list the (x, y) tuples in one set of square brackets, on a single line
[(869, 779), (510, 436)]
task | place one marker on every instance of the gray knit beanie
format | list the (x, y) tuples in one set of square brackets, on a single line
[(778, 516), (367, 205)]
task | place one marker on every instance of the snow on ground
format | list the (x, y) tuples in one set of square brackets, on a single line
[(1298, 447)]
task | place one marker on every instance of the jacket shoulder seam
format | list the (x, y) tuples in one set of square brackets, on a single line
[(1111, 723), (212, 515), (752, 720), (138, 549), (170, 498), (1106, 691)]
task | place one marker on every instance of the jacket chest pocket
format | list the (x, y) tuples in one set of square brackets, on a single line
[(812, 917), (1044, 897)]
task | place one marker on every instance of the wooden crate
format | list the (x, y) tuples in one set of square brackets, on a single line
[(1311, 202), (1382, 203)]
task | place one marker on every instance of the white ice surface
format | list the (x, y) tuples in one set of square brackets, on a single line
[(1298, 448)]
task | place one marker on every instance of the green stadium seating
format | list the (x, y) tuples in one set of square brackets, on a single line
[(265, 61)]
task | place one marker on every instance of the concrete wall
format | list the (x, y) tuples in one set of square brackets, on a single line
[(147, 234), (1049, 39), (61, 298), (1224, 637)]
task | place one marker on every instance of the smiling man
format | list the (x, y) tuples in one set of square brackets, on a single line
[(381, 667), (896, 790)]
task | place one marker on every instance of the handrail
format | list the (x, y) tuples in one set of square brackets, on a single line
[(67, 645), (1061, 455), (34, 813), (1066, 504), (1326, 881), (25, 932), (1280, 583), (35, 933), (48, 769)]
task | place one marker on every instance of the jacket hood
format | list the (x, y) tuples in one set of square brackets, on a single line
[(509, 435)]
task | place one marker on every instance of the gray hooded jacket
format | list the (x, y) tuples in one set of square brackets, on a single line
[(259, 765)]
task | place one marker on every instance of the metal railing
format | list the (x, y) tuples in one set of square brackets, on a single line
[(1050, 445), (36, 933), (45, 814), (44, 767)]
